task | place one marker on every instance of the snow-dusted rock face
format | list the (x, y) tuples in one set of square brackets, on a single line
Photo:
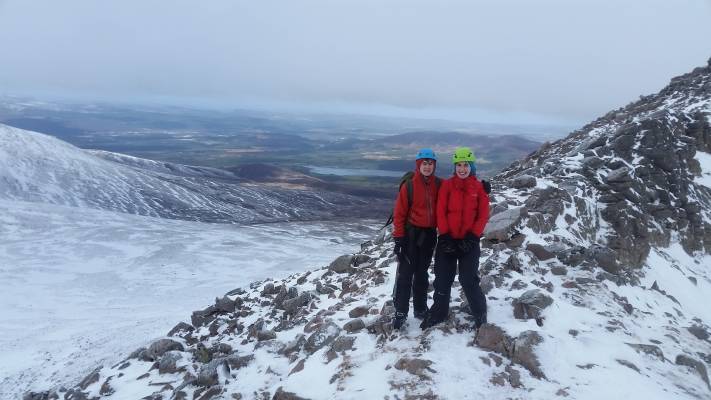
[(39, 168), (596, 274), (629, 180)]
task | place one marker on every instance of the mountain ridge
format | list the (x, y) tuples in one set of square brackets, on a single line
[(40, 168)]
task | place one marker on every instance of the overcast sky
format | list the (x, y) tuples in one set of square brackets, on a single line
[(567, 60)]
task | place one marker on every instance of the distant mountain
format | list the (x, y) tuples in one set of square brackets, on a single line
[(39, 168), (395, 152), (483, 145)]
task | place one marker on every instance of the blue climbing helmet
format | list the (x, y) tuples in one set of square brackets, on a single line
[(426, 153)]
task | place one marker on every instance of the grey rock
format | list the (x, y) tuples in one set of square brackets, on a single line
[(539, 251), (559, 270), (90, 379), (697, 365), (501, 226), (225, 305), (699, 332), (523, 182), (323, 336), (492, 338), (167, 364), (202, 317), (359, 311), (181, 327), (343, 343), (531, 304), (523, 353), (649, 349), (291, 306), (47, 395), (294, 345), (325, 289), (361, 259), (269, 288), (342, 264), (263, 335), (209, 373), (354, 325), (628, 364), (414, 366), (620, 175), (282, 395), (235, 362), (605, 259), (160, 347)]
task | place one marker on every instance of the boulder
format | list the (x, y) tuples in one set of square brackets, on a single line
[(697, 365), (604, 258), (342, 264), (225, 305), (620, 175), (354, 325), (524, 355), (492, 338), (539, 251), (343, 343), (531, 304), (209, 374), (648, 349), (167, 364), (181, 327), (415, 366), (291, 306), (699, 332), (501, 226), (523, 182), (202, 317), (324, 335), (359, 311), (160, 347), (48, 395), (294, 345), (282, 395), (263, 335), (90, 379)]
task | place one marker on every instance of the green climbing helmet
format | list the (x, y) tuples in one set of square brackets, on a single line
[(463, 154)]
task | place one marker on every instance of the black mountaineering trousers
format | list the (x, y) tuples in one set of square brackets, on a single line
[(445, 269), (412, 276)]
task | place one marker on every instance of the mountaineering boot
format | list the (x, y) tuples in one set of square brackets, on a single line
[(431, 319), (420, 314), (479, 320), (399, 320)]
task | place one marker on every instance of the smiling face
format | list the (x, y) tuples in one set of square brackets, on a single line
[(462, 169), (427, 167)]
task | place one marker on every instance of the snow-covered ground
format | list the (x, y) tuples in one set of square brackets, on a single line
[(81, 287), (704, 160)]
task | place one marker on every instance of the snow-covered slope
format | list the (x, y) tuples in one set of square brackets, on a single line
[(595, 264), (80, 287), (39, 168)]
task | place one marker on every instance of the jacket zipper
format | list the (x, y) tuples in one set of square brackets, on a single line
[(428, 197)]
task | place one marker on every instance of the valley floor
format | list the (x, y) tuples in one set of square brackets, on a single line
[(79, 287)]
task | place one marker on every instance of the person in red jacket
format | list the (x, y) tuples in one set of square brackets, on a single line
[(462, 214), (415, 235)]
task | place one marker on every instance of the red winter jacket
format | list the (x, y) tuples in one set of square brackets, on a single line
[(463, 207), (423, 212)]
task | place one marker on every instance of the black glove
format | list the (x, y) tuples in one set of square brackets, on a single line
[(446, 244), (487, 186), (400, 245), (469, 242)]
